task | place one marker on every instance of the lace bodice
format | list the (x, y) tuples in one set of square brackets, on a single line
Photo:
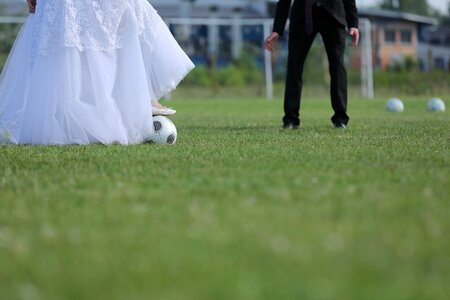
[(91, 24)]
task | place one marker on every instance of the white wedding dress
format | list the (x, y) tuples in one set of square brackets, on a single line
[(85, 71)]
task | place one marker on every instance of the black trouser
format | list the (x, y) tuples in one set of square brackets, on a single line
[(333, 35)]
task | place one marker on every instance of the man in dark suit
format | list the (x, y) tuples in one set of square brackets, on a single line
[(308, 18)]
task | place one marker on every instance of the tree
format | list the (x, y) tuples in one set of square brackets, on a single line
[(445, 19), (419, 7), (390, 4)]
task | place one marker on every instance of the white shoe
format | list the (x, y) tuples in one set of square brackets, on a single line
[(163, 111)]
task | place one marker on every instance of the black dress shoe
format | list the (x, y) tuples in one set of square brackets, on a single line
[(339, 125), (290, 126)]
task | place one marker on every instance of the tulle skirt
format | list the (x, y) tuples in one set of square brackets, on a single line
[(82, 96)]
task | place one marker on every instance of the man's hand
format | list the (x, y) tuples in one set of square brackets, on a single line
[(354, 33), (270, 42), (31, 6)]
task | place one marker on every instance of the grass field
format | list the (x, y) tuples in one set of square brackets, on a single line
[(238, 209)]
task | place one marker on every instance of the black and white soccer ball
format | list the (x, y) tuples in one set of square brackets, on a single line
[(165, 131)]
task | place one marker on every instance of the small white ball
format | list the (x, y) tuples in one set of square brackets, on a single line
[(395, 105), (436, 104)]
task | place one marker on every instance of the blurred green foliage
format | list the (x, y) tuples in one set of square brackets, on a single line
[(239, 73), (8, 33)]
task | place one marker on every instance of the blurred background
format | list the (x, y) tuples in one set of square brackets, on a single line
[(404, 49)]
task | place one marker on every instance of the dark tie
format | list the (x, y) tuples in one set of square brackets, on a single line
[(308, 16)]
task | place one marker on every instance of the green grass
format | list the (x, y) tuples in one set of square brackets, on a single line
[(238, 209)]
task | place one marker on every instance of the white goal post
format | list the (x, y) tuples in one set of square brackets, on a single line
[(367, 87)]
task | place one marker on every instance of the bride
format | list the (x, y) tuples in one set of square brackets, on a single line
[(88, 71)]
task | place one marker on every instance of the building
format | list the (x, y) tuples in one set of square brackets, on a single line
[(435, 54), (397, 37), (205, 8)]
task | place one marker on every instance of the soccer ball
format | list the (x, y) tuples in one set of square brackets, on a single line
[(395, 105), (436, 104), (165, 131)]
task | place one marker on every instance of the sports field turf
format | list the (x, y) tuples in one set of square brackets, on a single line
[(238, 209)]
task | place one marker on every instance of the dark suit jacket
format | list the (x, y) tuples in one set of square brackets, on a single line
[(344, 11)]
